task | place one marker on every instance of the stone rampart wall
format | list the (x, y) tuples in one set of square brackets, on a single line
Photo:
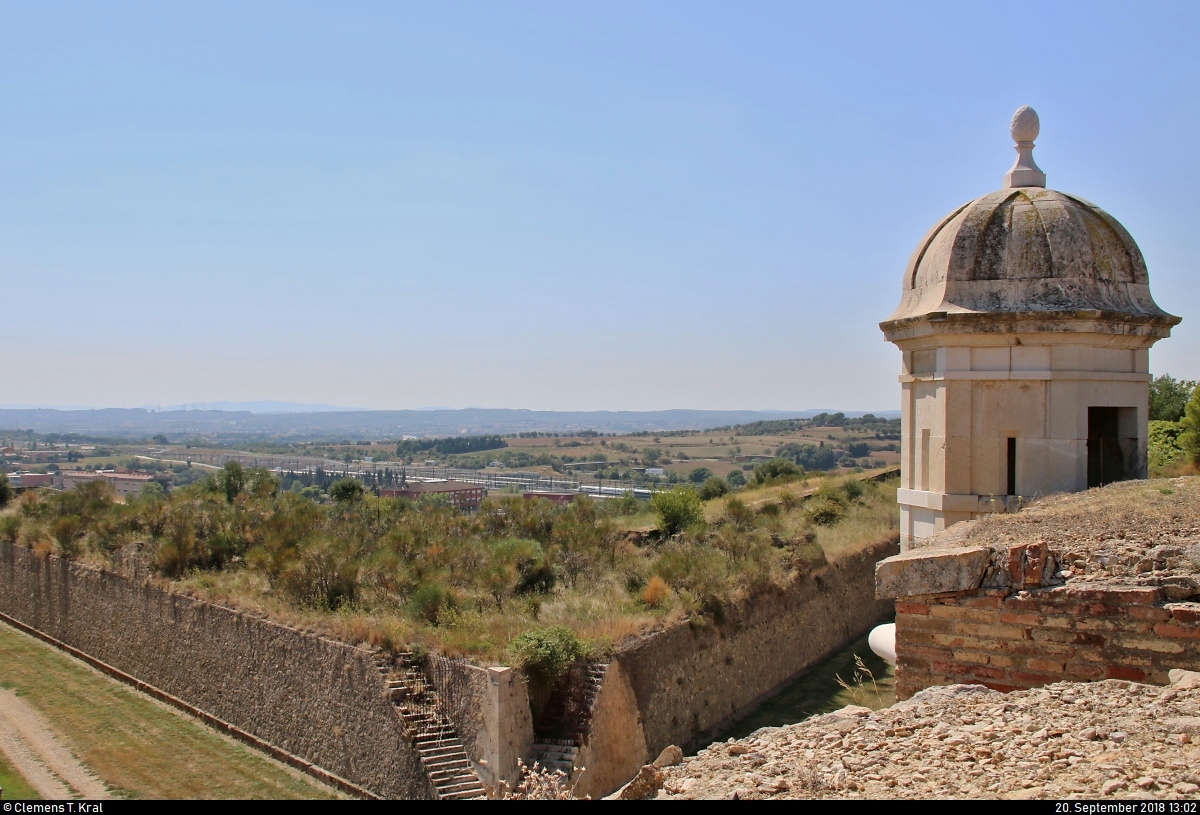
[(311, 699), (689, 681)]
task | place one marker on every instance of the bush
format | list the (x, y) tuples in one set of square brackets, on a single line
[(1163, 448), (6, 491), (853, 489), (1189, 439), (677, 509), (10, 528), (546, 654), (736, 479), (738, 514), (824, 512), (700, 475), (656, 592), (712, 488), (429, 600), (231, 480), (776, 469), (345, 490)]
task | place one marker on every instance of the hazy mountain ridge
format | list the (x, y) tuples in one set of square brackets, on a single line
[(374, 424)]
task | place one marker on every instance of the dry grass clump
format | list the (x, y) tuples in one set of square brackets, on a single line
[(537, 783)]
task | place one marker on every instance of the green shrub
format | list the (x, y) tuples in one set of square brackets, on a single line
[(1162, 444), (712, 488), (231, 480), (853, 489), (547, 653), (738, 514), (6, 491), (828, 491), (10, 528), (345, 490), (429, 601), (824, 511), (1189, 439), (677, 509), (325, 576), (736, 479), (66, 532), (775, 470), (627, 504)]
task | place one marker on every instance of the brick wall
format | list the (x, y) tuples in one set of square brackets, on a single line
[(1008, 639)]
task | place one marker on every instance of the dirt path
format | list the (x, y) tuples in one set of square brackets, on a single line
[(40, 755)]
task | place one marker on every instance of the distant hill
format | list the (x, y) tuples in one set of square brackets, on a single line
[(376, 424)]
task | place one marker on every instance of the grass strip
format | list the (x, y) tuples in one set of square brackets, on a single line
[(139, 748)]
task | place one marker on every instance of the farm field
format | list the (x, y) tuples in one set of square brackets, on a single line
[(135, 747)]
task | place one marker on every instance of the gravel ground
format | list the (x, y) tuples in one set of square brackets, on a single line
[(1068, 740), (1131, 532)]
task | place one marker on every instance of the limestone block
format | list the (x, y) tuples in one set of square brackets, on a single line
[(990, 359), (1184, 680), (931, 571), (669, 757), (1031, 358)]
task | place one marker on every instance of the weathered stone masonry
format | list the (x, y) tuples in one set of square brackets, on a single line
[(320, 701), (1028, 634), (678, 686)]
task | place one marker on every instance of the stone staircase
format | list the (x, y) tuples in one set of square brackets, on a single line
[(443, 756), (560, 753)]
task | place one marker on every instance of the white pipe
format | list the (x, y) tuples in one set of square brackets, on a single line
[(883, 642)]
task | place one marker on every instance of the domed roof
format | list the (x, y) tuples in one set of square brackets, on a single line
[(1025, 249)]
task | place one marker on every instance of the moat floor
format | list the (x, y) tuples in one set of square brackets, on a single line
[(69, 731)]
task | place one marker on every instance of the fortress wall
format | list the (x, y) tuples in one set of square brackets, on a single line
[(1023, 640), (312, 701), (998, 616), (682, 684)]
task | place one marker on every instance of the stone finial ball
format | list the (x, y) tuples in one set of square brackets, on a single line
[(1025, 124)]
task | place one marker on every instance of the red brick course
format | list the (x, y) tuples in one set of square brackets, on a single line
[(1044, 635)]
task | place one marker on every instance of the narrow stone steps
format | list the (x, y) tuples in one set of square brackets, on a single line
[(442, 754)]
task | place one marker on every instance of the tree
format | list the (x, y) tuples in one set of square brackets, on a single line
[(700, 475), (345, 490), (1189, 439), (159, 438), (5, 491), (232, 480), (736, 479), (714, 487), (776, 468), (1168, 396)]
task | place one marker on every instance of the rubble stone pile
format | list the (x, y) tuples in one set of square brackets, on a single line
[(1067, 740)]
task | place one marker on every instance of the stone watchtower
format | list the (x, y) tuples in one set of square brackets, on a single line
[(1025, 322)]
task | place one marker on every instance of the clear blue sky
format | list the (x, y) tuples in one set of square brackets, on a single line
[(559, 205)]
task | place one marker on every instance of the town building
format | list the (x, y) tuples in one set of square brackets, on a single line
[(1025, 324), (123, 484), (458, 494), (28, 481)]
